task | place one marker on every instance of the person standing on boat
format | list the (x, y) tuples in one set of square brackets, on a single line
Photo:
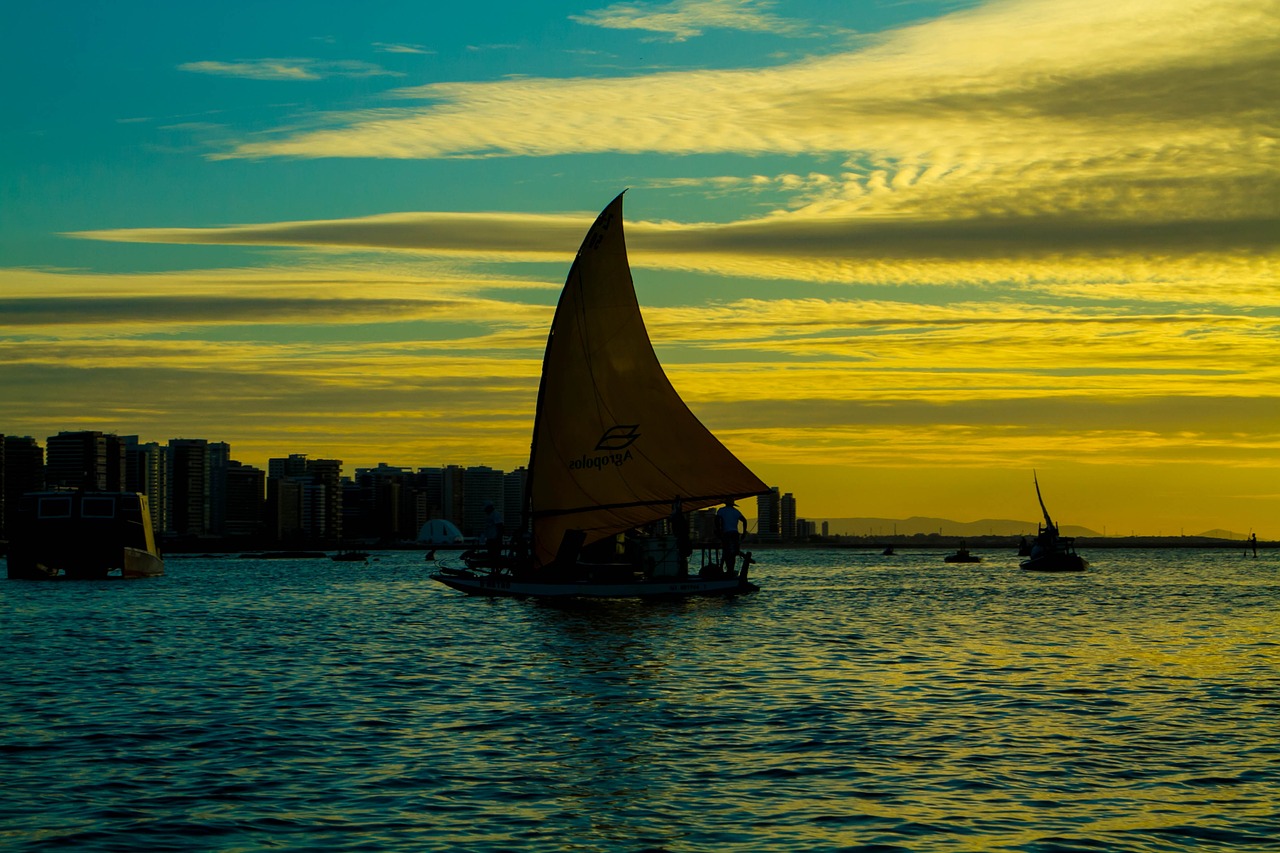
[(492, 529), (728, 518)]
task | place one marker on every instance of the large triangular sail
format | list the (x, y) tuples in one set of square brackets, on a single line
[(613, 444)]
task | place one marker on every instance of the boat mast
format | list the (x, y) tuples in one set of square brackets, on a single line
[(1048, 522)]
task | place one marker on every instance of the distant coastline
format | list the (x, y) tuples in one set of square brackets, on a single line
[(929, 541), (935, 540), (880, 527)]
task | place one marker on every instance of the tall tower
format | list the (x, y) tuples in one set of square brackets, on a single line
[(147, 472), (219, 463), (769, 516), (189, 486), (787, 506), (23, 470), (325, 498), (481, 485)]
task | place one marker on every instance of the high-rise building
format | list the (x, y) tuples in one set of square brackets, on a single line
[(219, 463), (245, 499), (513, 486), (284, 508), (23, 470), (453, 495), (314, 498), (481, 485), (294, 465), (147, 472), (769, 516), (385, 505), (189, 486), (430, 483), (325, 498), (87, 459), (787, 511)]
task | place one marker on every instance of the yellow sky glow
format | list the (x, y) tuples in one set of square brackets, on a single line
[(1061, 253)]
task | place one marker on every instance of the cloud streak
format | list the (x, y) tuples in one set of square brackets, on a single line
[(1102, 137), (287, 69), (1205, 260), (679, 20)]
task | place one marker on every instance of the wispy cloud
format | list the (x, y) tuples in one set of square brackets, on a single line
[(288, 69), (402, 48), (445, 365), (1200, 261), (1092, 110), (679, 20)]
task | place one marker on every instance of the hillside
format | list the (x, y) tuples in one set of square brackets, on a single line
[(947, 527)]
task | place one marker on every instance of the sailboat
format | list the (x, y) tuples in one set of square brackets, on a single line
[(1051, 552), (617, 460)]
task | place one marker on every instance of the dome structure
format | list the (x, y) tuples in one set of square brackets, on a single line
[(437, 531)]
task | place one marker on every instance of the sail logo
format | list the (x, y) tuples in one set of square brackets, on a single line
[(612, 449), (618, 437)]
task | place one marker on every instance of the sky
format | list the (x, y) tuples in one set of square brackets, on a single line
[(897, 254)]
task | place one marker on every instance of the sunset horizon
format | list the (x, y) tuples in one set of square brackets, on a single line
[(896, 262)]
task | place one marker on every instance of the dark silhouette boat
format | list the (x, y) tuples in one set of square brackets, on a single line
[(1050, 551), (962, 555), (83, 535), (617, 459)]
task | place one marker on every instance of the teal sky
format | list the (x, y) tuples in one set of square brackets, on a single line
[(895, 254)]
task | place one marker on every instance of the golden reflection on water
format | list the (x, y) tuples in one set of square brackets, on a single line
[(854, 702)]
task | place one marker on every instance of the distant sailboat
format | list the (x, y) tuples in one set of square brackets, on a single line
[(1051, 552), (615, 451)]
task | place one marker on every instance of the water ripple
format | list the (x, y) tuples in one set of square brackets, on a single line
[(857, 704)]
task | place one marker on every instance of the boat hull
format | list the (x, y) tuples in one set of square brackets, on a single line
[(505, 586), (79, 535), (1056, 563), (127, 563)]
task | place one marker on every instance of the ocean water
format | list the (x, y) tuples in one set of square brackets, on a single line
[(857, 703)]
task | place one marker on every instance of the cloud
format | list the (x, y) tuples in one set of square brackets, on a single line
[(515, 236), (402, 48), (1098, 72), (684, 19), (439, 306), (1207, 260), (288, 69), (1101, 129)]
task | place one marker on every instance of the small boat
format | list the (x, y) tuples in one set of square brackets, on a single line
[(961, 556), (887, 552), (348, 556), (1051, 552), (617, 460), (83, 535)]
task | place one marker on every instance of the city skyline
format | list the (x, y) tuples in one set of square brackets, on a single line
[(196, 489), (787, 512), (896, 256)]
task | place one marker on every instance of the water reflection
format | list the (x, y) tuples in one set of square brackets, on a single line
[(853, 703)]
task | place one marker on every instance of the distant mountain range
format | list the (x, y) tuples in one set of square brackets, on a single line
[(947, 527)]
